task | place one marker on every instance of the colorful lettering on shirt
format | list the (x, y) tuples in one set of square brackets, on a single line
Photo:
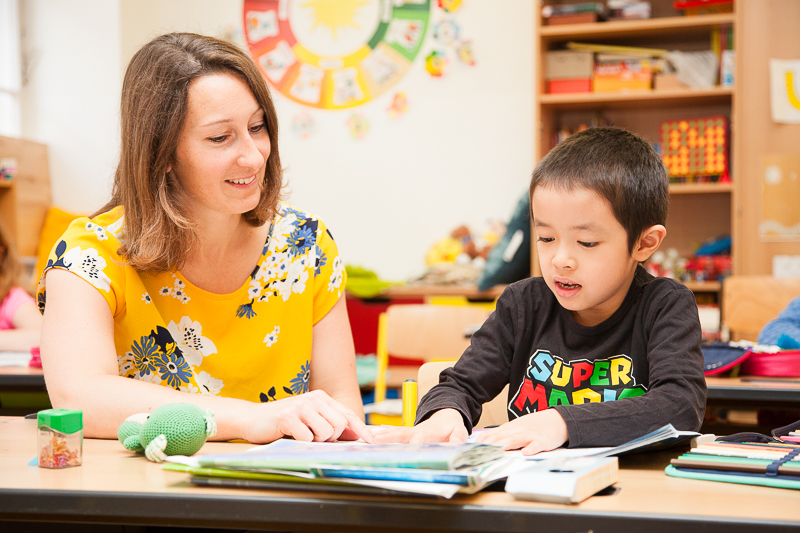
[(551, 381)]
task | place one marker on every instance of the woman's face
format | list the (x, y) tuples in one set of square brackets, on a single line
[(223, 147)]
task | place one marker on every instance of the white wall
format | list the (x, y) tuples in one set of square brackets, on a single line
[(461, 155), (70, 94)]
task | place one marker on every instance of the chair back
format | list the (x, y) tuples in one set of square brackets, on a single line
[(749, 302), (431, 332), (494, 412)]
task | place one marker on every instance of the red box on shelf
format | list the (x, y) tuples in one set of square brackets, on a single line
[(569, 85)]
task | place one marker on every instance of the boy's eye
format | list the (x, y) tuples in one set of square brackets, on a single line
[(587, 244), (545, 239)]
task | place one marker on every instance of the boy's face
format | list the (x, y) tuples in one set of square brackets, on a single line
[(583, 252)]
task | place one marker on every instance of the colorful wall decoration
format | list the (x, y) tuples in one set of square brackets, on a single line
[(335, 54)]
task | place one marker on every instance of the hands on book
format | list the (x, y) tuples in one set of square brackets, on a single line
[(533, 433), (442, 426), (313, 416)]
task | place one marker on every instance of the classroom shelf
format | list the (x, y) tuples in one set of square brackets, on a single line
[(700, 188), (703, 286), (626, 100), (672, 27)]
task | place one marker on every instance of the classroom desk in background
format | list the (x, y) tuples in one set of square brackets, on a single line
[(745, 391), (115, 487)]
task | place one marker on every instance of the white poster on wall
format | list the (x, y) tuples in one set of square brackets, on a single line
[(785, 90)]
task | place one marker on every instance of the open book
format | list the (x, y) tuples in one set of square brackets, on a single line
[(285, 454), (426, 469)]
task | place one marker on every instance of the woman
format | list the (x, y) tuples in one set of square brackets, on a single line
[(195, 280)]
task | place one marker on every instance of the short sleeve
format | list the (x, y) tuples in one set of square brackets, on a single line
[(88, 249), (16, 297), (329, 275)]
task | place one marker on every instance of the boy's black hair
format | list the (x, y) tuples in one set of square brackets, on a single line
[(619, 166)]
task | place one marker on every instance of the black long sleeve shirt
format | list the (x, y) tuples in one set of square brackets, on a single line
[(631, 374)]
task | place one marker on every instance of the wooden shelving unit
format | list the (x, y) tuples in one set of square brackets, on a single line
[(25, 199), (698, 212)]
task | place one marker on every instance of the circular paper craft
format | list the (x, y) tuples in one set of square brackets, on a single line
[(334, 54)]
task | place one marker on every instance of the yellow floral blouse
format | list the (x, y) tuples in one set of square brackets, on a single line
[(253, 344)]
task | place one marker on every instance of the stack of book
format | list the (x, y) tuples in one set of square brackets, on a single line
[(750, 463), (427, 469), (581, 13), (442, 470)]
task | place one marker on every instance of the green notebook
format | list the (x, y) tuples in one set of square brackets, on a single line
[(743, 478)]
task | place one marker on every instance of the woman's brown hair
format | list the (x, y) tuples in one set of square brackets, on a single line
[(158, 230), (9, 264)]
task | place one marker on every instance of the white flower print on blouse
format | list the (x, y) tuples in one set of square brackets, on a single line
[(254, 290), (116, 229), (189, 388), (207, 384), (177, 291), (98, 230), (146, 299), (297, 277), (336, 275), (88, 265), (272, 337), (188, 335), (126, 365), (281, 231)]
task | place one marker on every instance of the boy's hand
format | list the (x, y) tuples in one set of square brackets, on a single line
[(534, 433), (442, 426)]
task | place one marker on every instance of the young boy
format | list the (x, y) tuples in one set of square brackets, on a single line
[(597, 351)]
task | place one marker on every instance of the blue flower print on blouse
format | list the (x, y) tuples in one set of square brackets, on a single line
[(144, 353), (301, 240), (321, 261), (299, 384), (173, 367)]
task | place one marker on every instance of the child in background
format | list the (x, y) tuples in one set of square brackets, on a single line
[(596, 351), (20, 321)]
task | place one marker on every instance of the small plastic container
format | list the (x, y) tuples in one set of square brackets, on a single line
[(36, 358), (60, 438)]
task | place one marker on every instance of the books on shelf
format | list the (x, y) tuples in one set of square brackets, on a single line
[(581, 13)]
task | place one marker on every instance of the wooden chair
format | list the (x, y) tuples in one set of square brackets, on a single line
[(494, 411), (749, 302), (421, 332)]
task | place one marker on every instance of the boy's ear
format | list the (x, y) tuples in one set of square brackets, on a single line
[(649, 242)]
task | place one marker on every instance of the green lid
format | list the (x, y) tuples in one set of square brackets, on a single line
[(63, 420)]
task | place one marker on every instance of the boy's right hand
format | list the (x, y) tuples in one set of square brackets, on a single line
[(446, 425)]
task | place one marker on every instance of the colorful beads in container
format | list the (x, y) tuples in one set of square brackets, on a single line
[(60, 438), (173, 429), (696, 150)]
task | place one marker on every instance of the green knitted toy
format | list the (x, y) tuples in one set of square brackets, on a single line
[(173, 429)]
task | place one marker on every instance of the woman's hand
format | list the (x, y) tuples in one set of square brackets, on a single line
[(313, 416), (534, 433), (446, 425)]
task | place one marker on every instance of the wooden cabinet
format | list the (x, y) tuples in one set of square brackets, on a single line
[(25, 199), (698, 212), (763, 30)]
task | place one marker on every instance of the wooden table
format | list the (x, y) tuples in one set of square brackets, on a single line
[(754, 392), (116, 487), (21, 378)]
